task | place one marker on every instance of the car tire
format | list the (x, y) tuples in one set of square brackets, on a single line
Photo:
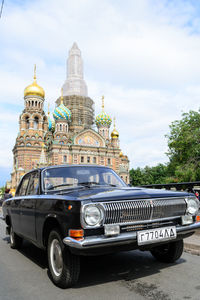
[(168, 253), (64, 267), (15, 240)]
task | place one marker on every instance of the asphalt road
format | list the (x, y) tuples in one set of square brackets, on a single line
[(128, 275)]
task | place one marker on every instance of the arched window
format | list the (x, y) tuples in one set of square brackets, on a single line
[(27, 122), (36, 122), (103, 132), (65, 158), (60, 127)]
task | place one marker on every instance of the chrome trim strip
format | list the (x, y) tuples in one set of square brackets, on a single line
[(122, 239), (188, 228), (100, 241), (142, 199)]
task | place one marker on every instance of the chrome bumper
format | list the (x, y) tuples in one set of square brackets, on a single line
[(122, 239)]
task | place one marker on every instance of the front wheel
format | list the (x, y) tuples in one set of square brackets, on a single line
[(64, 267), (168, 253), (15, 240)]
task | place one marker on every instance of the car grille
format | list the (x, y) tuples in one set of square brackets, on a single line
[(143, 210)]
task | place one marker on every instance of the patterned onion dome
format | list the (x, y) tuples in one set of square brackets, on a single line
[(34, 89), (62, 112), (51, 123), (103, 119)]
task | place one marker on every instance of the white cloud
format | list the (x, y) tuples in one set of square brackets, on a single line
[(143, 56)]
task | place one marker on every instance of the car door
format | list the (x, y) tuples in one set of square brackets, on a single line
[(27, 206), (16, 204)]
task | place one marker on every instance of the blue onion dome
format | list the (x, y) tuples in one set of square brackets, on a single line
[(51, 123), (103, 119), (62, 112)]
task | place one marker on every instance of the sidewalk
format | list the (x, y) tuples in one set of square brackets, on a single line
[(192, 244)]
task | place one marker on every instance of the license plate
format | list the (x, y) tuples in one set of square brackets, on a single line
[(156, 235)]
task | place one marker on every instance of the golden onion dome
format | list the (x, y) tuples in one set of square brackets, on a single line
[(121, 154), (34, 89), (114, 133)]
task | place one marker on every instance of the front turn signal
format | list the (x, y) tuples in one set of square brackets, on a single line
[(76, 233), (198, 218)]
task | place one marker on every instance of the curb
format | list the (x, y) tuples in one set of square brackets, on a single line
[(191, 246), (192, 249)]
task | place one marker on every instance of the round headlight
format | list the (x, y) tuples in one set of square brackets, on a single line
[(192, 206), (92, 215)]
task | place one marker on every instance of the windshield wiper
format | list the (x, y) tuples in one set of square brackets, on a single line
[(58, 185), (51, 190), (88, 183)]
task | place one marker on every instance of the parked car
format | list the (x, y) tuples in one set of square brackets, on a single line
[(88, 210)]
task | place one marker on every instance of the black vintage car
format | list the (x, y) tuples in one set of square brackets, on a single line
[(88, 210)]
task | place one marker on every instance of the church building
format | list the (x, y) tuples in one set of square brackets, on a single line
[(68, 136)]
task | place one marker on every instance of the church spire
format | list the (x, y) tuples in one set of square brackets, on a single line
[(34, 77), (42, 160), (61, 98), (102, 103), (75, 84)]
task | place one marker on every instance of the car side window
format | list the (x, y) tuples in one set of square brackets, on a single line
[(33, 184), (23, 187)]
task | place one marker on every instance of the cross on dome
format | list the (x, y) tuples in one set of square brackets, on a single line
[(61, 111), (34, 89), (103, 119)]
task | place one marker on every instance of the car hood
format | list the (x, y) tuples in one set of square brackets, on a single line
[(97, 194)]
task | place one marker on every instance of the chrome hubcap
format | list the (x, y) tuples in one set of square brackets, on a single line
[(56, 257)]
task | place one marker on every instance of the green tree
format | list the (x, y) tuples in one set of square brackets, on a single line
[(2, 191), (149, 175), (184, 148)]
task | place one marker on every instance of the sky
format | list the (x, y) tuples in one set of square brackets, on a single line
[(143, 56)]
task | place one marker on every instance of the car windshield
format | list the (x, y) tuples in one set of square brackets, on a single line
[(60, 178)]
